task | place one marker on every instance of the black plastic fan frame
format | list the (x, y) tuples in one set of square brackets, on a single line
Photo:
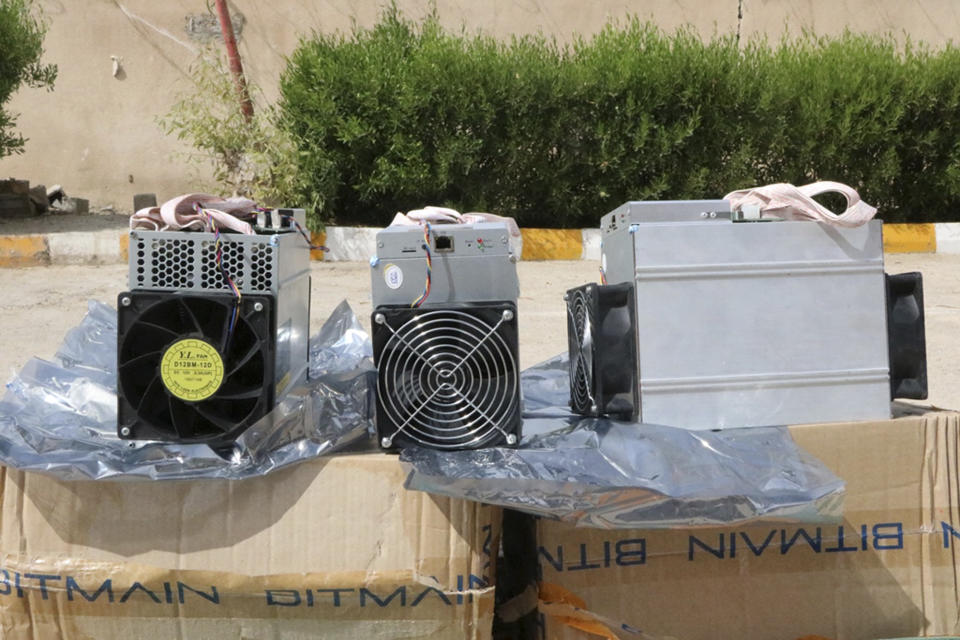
[(602, 343), (906, 336), (447, 376), (150, 322)]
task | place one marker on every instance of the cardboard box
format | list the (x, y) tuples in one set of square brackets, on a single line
[(889, 569), (334, 548)]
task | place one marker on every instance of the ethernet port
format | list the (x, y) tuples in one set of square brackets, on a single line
[(444, 244)]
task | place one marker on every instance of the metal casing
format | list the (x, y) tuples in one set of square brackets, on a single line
[(186, 260), (744, 324), (276, 262), (479, 267)]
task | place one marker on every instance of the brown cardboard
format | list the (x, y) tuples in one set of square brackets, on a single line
[(334, 548), (890, 569)]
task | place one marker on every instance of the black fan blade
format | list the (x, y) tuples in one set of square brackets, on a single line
[(143, 324), (143, 359), (152, 396), (217, 421), (190, 316), (244, 359), (242, 394), (183, 420)]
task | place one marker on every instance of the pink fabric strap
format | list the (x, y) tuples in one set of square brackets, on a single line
[(443, 215), (788, 202), (179, 213)]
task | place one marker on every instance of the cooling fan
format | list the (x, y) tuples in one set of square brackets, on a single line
[(906, 336), (447, 377), (183, 375), (603, 354)]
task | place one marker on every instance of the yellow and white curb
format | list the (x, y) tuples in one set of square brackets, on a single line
[(358, 244)]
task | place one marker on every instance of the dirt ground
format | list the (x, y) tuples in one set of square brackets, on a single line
[(40, 304)]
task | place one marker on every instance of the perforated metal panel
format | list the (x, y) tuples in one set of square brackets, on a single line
[(185, 261)]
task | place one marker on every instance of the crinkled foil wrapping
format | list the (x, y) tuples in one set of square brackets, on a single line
[(60, 418), (602, 473)]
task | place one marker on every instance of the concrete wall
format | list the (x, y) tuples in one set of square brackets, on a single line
[(97, 134)]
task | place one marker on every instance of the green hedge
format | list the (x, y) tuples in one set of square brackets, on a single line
[(407, 114), (21, 46)]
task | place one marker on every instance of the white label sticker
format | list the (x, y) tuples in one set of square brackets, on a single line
[(393, 276)]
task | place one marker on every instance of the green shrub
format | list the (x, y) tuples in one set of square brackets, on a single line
[(252, 158), (21, 46), (405, 114)]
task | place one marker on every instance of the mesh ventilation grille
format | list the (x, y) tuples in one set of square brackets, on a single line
[(447, 379), (261, 267), (211, 276), (580, 321), (172, 263), (191, 263)]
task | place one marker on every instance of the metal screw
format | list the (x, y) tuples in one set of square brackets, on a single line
[(503, 239), (380, 244), (507, 315), (258, 306), (386, 443), (704, 214), (374, 261), (514, 259), (713, 214), (126, 301), (511, 438), (566, 297), (125, 431), (275, 240), (379, 318)]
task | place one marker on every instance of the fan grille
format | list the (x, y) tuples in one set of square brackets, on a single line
[(448, 378), (580, 321)]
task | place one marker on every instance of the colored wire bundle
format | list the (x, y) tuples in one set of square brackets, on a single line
[(218, 248), (303, 232), (426, 248)]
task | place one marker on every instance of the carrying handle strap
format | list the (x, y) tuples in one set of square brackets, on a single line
[(788, 202)]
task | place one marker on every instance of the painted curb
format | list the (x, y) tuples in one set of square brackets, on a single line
[(358, 244), (910, 238)]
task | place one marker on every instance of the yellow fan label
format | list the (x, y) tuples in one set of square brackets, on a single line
[(191, 369)]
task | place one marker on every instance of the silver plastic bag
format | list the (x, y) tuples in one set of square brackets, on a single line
[(609, 474)]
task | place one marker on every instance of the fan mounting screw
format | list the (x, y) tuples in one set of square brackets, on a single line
[(511, 438), (507, 315), (566, 297), (125, 301), (386, 443), (379, 318), (125, 431), (258, 306)]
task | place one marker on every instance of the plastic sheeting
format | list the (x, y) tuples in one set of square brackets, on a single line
[(608, 474), (61, 418)]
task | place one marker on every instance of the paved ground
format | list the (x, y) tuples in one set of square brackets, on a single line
[(40, 304)]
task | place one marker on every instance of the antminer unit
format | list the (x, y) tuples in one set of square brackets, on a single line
[(711, 321), (199, 361), (445, 336)]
